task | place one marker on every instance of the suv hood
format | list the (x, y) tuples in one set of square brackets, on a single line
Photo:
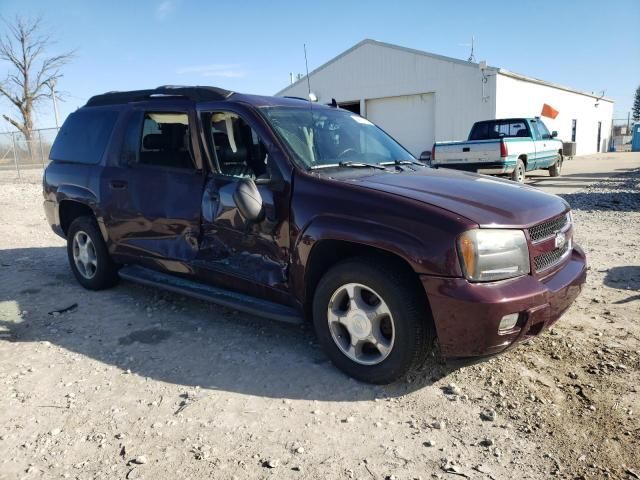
[(487, 201)]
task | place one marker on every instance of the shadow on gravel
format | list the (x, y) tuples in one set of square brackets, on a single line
[(624, 278), (540, 176), (603, 201), (195, 344)]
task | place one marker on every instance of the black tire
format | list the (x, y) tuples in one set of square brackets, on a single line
[(412, 324), (555, 170), (520, 172), (105, 272)]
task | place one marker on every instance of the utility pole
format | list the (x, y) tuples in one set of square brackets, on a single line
[(52, 86)]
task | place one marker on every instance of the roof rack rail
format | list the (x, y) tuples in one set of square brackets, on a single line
[(196, 94), (297, 98)]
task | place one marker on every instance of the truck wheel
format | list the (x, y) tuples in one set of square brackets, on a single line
[(372, 320), (519, 172), (88, 256), (555, 169)]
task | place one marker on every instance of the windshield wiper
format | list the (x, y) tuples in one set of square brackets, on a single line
[(399, 163), (409, 162), (404, 162), (361, 165)]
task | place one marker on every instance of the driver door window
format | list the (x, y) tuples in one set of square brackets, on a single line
[(238, 149), (543, 133)]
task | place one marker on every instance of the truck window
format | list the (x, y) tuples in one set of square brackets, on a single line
[(165, 140), (239, 150), (499, 129), (84, 136), (543, 133)]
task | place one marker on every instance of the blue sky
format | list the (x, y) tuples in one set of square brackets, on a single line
[(251, 46)]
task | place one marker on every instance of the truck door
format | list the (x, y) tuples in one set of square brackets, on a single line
[(245, 255), (546, 152), (152, 194)]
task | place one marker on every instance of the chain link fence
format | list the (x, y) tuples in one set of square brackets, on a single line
[(621, 133), (24, 159)]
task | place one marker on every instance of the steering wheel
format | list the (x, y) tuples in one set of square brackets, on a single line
[(348, 150)]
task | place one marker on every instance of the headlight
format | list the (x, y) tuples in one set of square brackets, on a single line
[(493, 254)]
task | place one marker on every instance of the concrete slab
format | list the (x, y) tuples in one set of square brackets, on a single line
[(581, 172)]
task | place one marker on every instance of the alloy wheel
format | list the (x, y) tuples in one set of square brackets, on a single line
[(361, 324), (84, 255)]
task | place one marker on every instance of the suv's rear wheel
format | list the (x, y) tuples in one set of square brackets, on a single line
[(88, 256), (371, 320)]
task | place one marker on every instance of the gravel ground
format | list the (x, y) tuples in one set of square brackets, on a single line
[(138, 383)]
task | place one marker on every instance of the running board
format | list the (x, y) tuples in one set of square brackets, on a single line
[(227, 298)]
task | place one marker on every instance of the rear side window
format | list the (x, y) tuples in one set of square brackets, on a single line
[(84, 136)]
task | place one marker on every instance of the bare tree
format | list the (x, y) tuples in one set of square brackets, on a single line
[(31, 70)]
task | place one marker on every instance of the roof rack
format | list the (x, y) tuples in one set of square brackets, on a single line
[(196, 94), (297, 98)]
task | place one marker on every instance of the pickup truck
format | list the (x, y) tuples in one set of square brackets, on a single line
[(302, 212), (511, 146)]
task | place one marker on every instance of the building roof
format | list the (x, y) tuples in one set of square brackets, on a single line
[(501, 71)]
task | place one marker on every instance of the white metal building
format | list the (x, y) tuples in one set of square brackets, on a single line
[(420, 97)]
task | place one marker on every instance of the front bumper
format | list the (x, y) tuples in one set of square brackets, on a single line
[(498, 168), (467, 315)]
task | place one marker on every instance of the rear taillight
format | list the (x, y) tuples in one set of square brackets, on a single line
[(503, 149), (433, 152)]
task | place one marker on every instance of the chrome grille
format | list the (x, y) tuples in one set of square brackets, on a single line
[(547, 229), (552, 257)]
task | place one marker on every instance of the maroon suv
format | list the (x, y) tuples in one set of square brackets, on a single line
[(292, 211)]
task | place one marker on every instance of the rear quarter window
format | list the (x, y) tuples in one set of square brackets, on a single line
[(84, 136)]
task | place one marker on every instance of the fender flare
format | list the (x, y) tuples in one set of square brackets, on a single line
[(83, 196), (404, 245)]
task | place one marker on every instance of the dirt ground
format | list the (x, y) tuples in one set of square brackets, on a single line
[(138, 383)]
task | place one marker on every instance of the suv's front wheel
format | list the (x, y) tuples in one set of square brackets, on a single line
[(371, 320), (88, 256)]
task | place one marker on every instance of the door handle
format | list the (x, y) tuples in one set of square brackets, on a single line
[(118, 184)]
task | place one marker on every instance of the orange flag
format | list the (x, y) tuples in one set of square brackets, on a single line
[(549, 111)]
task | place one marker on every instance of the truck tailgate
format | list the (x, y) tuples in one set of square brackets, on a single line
[(479, 151)]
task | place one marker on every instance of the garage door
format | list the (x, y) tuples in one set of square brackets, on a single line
[(407, 118)]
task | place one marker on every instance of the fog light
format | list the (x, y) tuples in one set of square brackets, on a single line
[(508, 322)]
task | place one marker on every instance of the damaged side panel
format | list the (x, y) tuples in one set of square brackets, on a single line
[(155, 212), (233, 246)]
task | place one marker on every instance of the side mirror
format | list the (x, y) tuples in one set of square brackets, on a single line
[(248, 200), (554, 134)]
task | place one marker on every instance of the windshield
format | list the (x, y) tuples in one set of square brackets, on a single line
[(324, 137)]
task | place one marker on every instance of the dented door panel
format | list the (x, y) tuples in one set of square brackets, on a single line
[(157, 214), (232, 246)]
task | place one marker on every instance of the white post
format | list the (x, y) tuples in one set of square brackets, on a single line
[(52, 86), (15, 155), (41, 149)]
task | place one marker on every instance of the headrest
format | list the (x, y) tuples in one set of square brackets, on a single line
[(156, 141), (228, 156)]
